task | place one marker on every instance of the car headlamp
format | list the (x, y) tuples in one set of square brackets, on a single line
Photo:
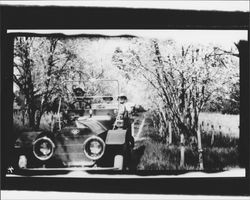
[(43, 148), (94, 147)]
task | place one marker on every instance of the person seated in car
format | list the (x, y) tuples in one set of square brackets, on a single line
[(71, 118), (88, 103), (79, 93), (108, 100)]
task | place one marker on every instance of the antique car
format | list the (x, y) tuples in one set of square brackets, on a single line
[(89, 132)]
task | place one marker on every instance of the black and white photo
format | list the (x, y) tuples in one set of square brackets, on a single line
[(125, 98)]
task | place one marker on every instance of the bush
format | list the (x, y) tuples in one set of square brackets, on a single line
[(231, 107), (159, 156), (219, 141), (220, 158), (226, 106)]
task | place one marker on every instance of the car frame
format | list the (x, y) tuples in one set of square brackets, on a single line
[(96, 138)]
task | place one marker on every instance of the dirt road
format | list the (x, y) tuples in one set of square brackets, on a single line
[(138, 126)]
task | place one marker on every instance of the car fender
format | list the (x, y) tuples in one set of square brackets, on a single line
[(26, 139), (116, 137)]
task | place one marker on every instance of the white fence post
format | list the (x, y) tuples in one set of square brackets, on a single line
[(170, 132), (133, 129), (182, 161), (212, 136), (200, 148)]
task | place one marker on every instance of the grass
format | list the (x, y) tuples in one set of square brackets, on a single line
[(220, 158), (159, 156), (222, 154), (229, 123), (225, 141)]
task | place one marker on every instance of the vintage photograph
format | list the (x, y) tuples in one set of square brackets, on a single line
[(126, 101)]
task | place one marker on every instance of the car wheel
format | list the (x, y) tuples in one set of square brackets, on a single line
[(118, 162)]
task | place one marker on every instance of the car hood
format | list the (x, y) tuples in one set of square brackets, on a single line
[(70, 142), (91, 123)]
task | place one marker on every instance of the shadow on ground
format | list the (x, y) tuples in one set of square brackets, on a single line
[(136, 156)]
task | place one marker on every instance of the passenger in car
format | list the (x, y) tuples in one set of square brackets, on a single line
[(79, 92), (108, 100)]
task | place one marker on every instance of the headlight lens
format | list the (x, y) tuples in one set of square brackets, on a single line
[(43, 148), (94, 147)]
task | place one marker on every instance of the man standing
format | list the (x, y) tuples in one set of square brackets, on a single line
[(124, 114)]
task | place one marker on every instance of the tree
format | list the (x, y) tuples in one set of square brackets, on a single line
[(232, 104), (182, 78), (23, 65), (40, 65)]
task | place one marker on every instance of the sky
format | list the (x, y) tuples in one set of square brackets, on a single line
[(223, 37)]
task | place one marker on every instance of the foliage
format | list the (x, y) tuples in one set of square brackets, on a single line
[(181, 79), (43, 64), (220, 158), (229, 105), (175, 81), (232, 105), (158, 156), (40, 65), (225, 141)]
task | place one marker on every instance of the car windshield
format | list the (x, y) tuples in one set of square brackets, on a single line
[(92, 94)]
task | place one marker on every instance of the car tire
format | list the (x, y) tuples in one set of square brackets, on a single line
[(118, 162)]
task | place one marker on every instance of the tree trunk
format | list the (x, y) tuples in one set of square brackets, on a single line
[(200, 149), (212, 135), (32, 118), (170, 132), (38, 116), (23, 117), (182, 150)]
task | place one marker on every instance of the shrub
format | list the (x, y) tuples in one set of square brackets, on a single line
[(219, 141), (220, 158), (159, 156)]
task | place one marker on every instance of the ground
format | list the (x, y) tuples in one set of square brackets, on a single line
[(220, 152)]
